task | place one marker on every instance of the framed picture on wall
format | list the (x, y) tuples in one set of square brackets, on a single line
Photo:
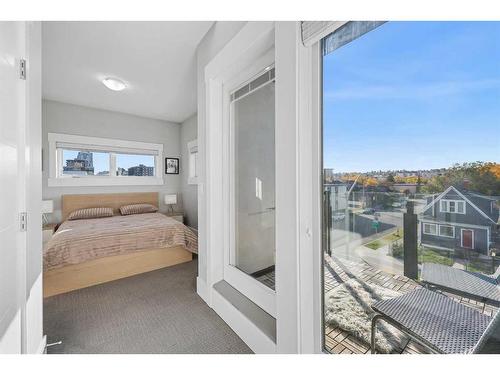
[(171, 165)]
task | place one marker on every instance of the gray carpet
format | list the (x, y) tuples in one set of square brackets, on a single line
[(156, 312)]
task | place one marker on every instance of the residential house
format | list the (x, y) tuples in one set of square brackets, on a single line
[(460, 219)]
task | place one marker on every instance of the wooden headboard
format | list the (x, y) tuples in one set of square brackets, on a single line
[(74, 202)]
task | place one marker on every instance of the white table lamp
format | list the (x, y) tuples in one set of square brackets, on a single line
[(47, 208), (170, 200)]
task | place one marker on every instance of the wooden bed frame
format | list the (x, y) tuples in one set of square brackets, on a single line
[(98, 271)]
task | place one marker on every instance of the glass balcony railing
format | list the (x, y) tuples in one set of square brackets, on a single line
[(380, 227)]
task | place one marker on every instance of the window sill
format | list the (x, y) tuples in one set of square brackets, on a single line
[(105, 181)]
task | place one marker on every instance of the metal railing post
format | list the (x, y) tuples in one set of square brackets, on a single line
[(410, 224)]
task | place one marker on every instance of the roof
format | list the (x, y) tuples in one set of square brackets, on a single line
[(479, 202), (483, 202)]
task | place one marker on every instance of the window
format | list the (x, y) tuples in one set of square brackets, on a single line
[(452, 206), (82, 163), (88, 161), (446, 231), (430, 229), (135, 165), (193, 162), (367, 92)]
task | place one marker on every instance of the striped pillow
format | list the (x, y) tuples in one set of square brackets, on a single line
[(141, 208), (91, 213)]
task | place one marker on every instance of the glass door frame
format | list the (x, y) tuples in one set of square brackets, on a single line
[(260, 294), (298, 188)]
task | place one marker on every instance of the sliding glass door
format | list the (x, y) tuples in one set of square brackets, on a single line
[(411, 173)]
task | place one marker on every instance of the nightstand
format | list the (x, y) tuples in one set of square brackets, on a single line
[(179, 216), (47, 232)]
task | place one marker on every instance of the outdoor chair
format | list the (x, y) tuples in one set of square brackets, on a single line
[(439, 323), (476, 286)]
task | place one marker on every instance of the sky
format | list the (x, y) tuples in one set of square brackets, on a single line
[(101, 160), (413, 95)]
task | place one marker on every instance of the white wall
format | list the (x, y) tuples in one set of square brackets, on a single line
[(189, 132), (73, 119), (215, 39)]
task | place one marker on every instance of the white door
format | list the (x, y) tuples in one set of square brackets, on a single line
[(12, 135)]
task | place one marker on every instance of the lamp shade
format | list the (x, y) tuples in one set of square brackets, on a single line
[(170, 199), (47, 207)]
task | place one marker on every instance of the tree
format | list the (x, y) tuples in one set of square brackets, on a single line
[(370, 181), (481, 177)]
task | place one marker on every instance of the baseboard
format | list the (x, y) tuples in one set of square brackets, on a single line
[(256, 340), (43, 344), (202, 290), (239, 323)]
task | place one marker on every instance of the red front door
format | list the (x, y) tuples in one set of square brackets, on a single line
[(467, 236)]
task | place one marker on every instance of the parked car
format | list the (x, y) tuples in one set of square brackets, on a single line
[(369, 211)]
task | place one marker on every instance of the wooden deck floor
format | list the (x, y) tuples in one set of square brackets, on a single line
[(337, 272)]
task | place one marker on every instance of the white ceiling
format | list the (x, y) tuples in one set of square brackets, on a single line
[(157, 60)]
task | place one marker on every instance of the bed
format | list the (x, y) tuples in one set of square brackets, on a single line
[(88, 252)]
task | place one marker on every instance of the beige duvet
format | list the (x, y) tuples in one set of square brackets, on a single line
[(79, 241)]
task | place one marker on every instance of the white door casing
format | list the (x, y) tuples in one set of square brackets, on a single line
[(256, 291), (235, 61), (223, 75), (298, 182), (33, 317)]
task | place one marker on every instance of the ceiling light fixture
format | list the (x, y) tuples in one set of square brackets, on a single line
[(114, 84)]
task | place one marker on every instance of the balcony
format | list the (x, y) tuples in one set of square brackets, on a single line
[(377, 253), (339, 339)]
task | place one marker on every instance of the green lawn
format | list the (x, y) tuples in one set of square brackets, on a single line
[(426, 255), (374, 245), (429, 255), (387, 239), (481, 266)]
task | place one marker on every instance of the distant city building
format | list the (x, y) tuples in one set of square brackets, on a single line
[(141, 170), (88, 157), (337, 195), (81, 165), (103, 173), (328, 175), (121, 172)]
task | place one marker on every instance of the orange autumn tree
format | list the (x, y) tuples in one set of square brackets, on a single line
[(360, 179), (481, 177)]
